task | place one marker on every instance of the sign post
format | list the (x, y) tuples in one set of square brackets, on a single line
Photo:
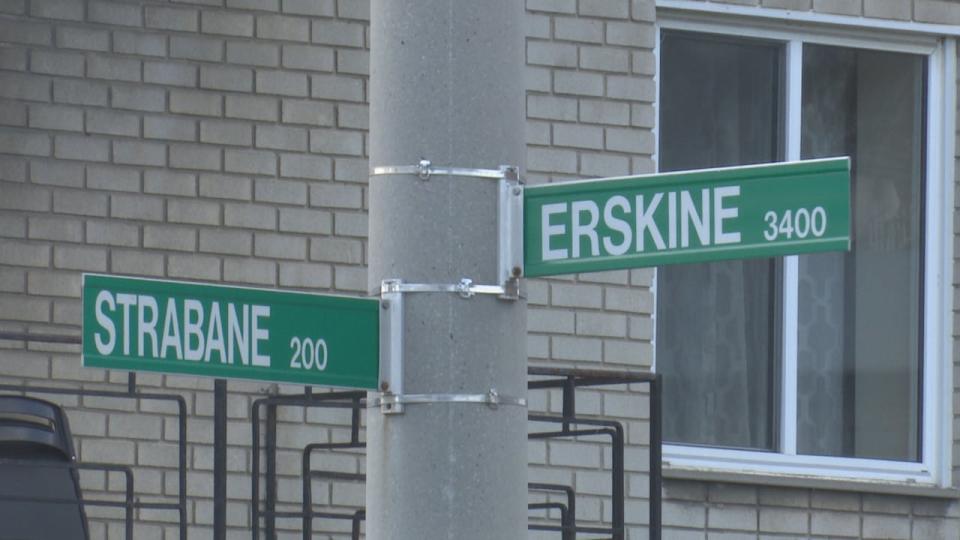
[(230, 332), (446, 86), (685, 217)]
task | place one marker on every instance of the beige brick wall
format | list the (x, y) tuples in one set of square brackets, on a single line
[(219, 142), (227, 142), (590, 100)]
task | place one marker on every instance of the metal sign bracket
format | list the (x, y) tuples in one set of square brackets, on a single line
[(509, 214), (391, 343), (465, 288), (392, 398), (424, 170), (510, 232), (390, 402)]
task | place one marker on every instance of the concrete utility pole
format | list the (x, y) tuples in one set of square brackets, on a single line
[(446, 85)]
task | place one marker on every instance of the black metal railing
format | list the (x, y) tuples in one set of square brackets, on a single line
[(569, 380), (571, 425)]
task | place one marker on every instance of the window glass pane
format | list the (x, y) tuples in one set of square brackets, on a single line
[(720, 103), (860, 312)]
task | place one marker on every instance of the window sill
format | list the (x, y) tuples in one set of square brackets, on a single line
[(808, 482)]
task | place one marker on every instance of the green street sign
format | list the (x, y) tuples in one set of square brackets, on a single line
[(230, 332), (685, 217)]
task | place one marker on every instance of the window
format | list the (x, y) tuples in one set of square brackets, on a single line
[(720, 105), (825, 364), (858, 313)]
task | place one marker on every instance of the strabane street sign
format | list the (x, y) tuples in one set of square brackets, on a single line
[(684, 217), (230, 332)]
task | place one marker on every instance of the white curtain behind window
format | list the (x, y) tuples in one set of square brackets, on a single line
[(860, 312), (720, 105)]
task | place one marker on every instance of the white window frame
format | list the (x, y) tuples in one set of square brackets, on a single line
[(934, 468)]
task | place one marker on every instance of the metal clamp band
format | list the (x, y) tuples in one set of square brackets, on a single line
[(491, 399), (425, 169), (465, 288)]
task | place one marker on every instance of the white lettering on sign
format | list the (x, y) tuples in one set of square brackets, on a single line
[(689, 216), (308, 353), (105, 346), (660, 221), (622, 226), (549, 230), (645, 222), (218, 333), (214, 335), (260, 334), (672, 220), (721, 213), (192, 321), (238, 333), (803, 222), (127, 301), (146, 326), (171, 331), (588, 229)]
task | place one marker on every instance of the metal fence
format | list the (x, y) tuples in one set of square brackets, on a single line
[(264, 491), (264, 512)]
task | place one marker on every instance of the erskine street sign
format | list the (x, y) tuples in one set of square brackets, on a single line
[(230, 332), (684, 217)]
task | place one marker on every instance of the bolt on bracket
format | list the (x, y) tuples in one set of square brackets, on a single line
[(424, 170), (389, 403)]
